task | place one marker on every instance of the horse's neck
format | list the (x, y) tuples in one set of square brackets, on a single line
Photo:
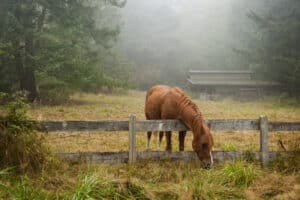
[(190, 115), (194, 122)]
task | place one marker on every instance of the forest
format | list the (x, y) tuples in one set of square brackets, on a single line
[(71, 71), (52, 49)]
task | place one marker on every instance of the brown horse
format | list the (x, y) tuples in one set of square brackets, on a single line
[(164, 102)]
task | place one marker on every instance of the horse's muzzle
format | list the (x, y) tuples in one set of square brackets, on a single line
[(206, 165)]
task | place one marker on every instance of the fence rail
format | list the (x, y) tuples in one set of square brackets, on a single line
[(132, 126), (123, 156), (162, 125)]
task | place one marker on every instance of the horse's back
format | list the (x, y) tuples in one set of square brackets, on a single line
[(157, 89), (160, 102), (154, 99)]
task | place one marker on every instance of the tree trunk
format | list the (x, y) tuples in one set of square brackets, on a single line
[(26, 76), (19, 65), (24, 56), (29, 83)]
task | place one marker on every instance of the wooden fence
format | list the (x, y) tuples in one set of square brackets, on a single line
[(132, 126)]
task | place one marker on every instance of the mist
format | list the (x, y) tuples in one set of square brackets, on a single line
[(178, 35), (134, 44)]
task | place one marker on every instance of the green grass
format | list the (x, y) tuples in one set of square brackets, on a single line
[(150, 180), (240, 173), (229, 147)]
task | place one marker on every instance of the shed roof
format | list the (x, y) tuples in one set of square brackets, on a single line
[(233, 83), (220, 72)]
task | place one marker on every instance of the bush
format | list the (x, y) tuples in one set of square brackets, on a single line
[(20, 146), (53, 91)]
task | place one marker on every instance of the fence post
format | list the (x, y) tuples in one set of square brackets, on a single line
[(132, 148), (264, 152)]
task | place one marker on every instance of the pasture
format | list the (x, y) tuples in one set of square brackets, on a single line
[(240, 179), (118, 107)]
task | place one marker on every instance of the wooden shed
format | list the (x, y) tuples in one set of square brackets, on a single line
[(241, 84)]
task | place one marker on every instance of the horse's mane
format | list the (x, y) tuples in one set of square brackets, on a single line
[(185, 102)]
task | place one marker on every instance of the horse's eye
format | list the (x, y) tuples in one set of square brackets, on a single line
[(204, 146)]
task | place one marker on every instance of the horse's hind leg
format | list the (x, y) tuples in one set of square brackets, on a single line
[(181, 140), (169, 140), (161, 135), (149, 133)]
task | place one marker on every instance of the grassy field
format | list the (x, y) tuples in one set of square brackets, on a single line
[(158, 180), (118, 107)]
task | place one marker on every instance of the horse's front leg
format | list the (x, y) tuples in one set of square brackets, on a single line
[(181, 140), (169, 140), (149, 133), (161, 135)]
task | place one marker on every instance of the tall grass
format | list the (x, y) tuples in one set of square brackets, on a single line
[(150, 180), (23, 190), (287, 164), (210, 185), (92, 187), (89, 188), (240, 173), (225, 182), (20, 146)]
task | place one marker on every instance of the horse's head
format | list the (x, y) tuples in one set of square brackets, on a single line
[(202, 145)]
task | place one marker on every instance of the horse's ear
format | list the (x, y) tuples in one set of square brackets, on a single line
[(209, 125)]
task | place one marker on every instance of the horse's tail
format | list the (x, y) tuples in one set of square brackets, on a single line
[(149, 92)]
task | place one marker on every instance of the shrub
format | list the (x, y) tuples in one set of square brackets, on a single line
[(53, 91), (20, 146)]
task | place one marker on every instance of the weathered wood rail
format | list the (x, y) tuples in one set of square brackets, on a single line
[(132, 126), (162, 125)]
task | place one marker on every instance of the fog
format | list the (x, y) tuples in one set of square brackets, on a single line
[(193, 34), (90, 45), (180, 35)]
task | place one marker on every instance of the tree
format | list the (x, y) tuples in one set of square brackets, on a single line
[(61, 39), (276, 54)]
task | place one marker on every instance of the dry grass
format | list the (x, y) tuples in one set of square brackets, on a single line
[(274, 186), (118, 141), (102, 106), (166, 180), (93, 107), (118, 107)]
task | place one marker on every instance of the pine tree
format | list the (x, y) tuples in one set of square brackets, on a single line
[(61, 39), (276, 53)]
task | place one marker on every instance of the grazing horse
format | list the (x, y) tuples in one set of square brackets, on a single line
[(164, 102)]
